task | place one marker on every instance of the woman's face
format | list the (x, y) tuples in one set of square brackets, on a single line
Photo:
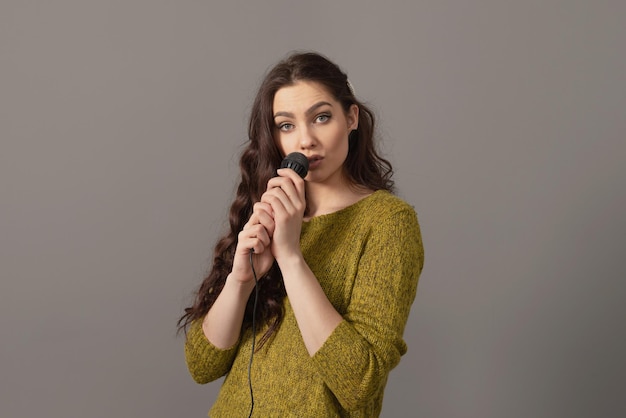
[(309, 120)]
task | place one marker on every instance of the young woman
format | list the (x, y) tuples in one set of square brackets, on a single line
[(337, 257)]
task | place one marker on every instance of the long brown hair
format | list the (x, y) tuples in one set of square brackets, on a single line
[(258, 162)]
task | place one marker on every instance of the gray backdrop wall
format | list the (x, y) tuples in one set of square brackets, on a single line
[(120, 125)]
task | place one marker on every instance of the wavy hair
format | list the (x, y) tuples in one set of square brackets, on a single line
[(260, 158)]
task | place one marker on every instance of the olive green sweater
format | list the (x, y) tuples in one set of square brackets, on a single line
[(367, 258)]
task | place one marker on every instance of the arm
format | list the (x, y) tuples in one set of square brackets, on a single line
[(357, 357), (353, 353), (211, 343), (222, 324), (316, 316), (205, 361)]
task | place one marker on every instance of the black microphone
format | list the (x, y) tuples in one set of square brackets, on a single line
[(297, 162)]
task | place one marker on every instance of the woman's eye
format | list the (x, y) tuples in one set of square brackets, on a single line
[(322, 118), (285, 127)]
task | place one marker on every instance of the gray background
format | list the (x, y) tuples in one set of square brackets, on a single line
[(121, 122)]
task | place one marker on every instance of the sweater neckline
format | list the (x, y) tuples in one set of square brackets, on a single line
[(329, 216)]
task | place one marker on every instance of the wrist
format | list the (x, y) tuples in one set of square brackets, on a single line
[(291, 262), (238, 287)]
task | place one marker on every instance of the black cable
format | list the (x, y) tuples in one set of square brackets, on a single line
[(256, 299)]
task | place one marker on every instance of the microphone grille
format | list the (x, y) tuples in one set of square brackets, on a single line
[(297, 162)]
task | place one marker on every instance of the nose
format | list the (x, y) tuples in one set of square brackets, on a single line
[(307, 138)]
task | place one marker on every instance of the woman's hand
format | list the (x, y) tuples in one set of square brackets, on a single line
[(256, 236), (285, 196)]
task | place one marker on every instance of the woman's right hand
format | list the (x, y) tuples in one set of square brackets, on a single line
[(256, 235)]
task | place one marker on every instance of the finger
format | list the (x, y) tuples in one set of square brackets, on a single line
[(279, 202), (286, 178), (285, 190), (251, 222), (256, 216), (254, 237), (297, 181), (288, 197), (265, 215), (292, 185), (261, 208)]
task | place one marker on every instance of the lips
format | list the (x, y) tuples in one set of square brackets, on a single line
[(314, 161)]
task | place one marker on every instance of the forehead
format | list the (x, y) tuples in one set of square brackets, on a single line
[(300, 96)]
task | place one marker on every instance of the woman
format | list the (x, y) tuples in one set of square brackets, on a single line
[(336, 254)]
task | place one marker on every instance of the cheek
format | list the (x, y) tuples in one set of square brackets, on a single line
[(342, 147), (343, 141), (279, 142)]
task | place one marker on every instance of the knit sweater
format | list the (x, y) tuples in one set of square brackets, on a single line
[(367, 258)]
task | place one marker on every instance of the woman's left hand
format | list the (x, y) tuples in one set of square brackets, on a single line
[(285, 194)]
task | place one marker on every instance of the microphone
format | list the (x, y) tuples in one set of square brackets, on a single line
[(297, 162)]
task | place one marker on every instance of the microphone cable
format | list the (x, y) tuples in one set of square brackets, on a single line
[(256, 299)]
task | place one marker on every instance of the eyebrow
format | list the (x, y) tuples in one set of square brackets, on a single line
[(307, 112)]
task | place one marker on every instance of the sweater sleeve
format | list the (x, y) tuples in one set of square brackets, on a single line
[(205, 361), (357, 357)]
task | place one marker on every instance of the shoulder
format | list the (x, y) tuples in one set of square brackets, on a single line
[(395, 228), (383, 204), (393, 231), (386, 212)]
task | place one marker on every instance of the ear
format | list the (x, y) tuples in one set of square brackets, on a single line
[(352, 117)]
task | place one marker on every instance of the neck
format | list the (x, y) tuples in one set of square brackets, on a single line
[(323, 199)]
